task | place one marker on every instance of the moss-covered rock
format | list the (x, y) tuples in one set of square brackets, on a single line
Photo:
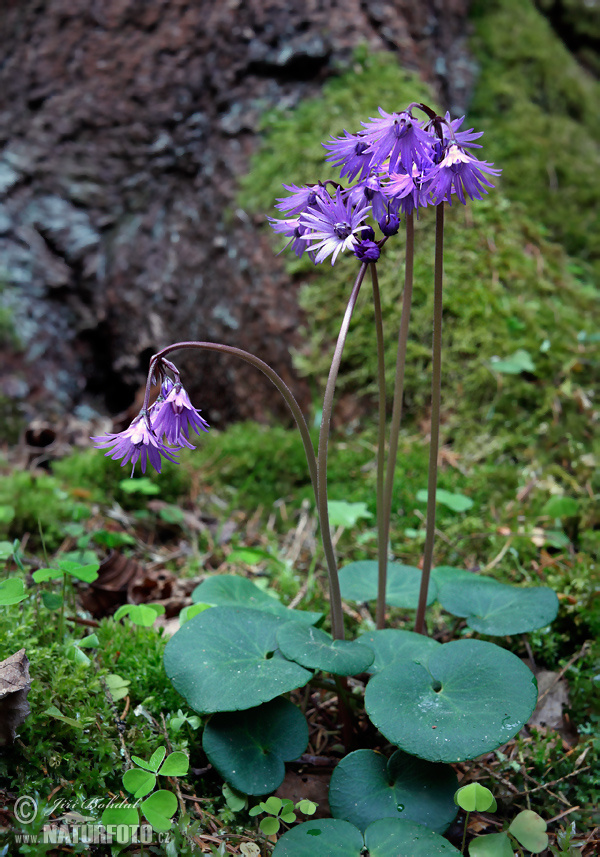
[(539, 108)]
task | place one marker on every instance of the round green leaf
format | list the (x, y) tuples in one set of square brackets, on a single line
[(327, 837), (222, 660), (120, 815), (175, 765), (331, 837), (472, 697), (51, 600), (358, 582), (159, 808), (365, 786), (140, 614), (139, 783), (405, 839), (491, 845), (12, 590), (392, 644), (249, 752), (561, 507), (530, 830), (474, 798), (313, 648), (229, 590), (497, 609), (269, 825), (455, 502), (448, 574)]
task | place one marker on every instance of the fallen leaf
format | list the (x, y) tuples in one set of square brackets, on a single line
[(15, 684)]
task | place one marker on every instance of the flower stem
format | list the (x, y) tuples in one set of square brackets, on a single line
[(464, 839), (266, 369), (436, 396), (337, 617), (384, 533), (381, 530)]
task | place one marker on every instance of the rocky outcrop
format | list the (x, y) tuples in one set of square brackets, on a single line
[(123, 128)]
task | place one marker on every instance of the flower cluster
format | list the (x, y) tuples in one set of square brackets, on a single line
[(160, 432), (398, 164)]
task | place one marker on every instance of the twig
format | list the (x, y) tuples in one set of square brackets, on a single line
[(499, 557), (546, 786), (562, 814)]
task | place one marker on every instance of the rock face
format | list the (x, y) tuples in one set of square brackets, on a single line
[(123, 127)]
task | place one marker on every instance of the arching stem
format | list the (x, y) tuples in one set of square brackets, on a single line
[(337, 616)]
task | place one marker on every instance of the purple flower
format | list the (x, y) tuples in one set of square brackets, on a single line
[(293, 230), (176, 416), (390, 224), (460, 173), (367, 251), (300, 198), (372, 193), (137, 443), (350, 153), (334, 225), (397, 137), (408, 190), (461, 138)]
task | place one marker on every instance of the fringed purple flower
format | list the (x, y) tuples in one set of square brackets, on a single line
[(408, 191), (333, 225), (136, 443), (293, 230), (350, 153), (397, 138), (176, 416), (460, 173), (300, 198)]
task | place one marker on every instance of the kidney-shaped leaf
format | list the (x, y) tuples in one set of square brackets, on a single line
[(332, 837), (176, 764), (12, 590), (491, 845), (222, 660), (530, 830), (358, 582), (449, 574), (497, 609), (313, 648), (230, 590), (159, 808), (249, 750), (139, 783), (472, 697), (365, 786), (393, 644), (405, 839)]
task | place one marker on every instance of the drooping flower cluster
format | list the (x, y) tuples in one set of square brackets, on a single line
[(160, 432), (398, 164)]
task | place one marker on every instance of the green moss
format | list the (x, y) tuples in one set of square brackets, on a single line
[(38, 502), (539, 108)]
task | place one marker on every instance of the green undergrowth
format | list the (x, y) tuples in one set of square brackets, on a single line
[(508, 288), (74, 725)]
